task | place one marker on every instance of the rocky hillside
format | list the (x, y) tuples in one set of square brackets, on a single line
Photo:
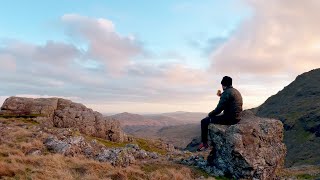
[(298, 107), (35, 144)]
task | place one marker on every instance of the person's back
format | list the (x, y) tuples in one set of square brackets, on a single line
[(234, 103)]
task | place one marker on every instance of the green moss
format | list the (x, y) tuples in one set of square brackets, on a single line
[(222, 178), (29, 121), (20, 116), (148, 168), (306, 176), (200, 172), (149, 146), (302, 135), (106, 142)]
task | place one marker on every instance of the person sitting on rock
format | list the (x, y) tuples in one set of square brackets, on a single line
[(231, 105)]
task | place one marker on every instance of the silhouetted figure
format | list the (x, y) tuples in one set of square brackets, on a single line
[(231, 105)]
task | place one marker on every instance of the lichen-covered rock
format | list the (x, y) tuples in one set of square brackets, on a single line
[(253, 148), (57, 146), (124, 156), (64, 113), (116, 156)]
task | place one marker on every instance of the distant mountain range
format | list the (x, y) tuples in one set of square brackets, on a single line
[(177, 128), (298, 107)]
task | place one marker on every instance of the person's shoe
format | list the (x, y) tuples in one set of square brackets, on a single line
[(203, 146)]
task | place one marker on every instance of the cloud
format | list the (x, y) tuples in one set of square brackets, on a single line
[(8, 62), (86, 66), (282, 37), (104, 43), (56, 53)]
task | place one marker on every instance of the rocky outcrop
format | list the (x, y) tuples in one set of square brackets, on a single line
[(77, 145), (44, 107), (64, 113), (250, 149)]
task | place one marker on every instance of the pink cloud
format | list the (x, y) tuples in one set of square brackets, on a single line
[(104, 43), (281, 37)]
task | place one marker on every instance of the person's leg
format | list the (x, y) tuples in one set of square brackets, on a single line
[(204, 130), (223, 120)]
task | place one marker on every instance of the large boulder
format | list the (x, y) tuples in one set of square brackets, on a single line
[(253, 148), (64, 113), (44, 107)]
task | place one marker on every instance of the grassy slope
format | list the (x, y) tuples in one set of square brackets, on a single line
[(298, 107)]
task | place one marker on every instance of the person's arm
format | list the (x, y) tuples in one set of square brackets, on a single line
[(221, 105)]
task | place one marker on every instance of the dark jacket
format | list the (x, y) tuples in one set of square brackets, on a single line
[(230, 103)]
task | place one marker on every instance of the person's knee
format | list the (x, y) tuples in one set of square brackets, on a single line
[(205, 121)]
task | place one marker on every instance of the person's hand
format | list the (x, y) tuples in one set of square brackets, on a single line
[(219, 93)]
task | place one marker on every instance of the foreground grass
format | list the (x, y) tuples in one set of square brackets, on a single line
[(19, 137)]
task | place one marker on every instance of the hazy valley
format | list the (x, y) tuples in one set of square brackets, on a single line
[(177, 128)]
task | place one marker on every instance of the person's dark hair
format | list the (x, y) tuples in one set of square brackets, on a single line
[(226, 81)]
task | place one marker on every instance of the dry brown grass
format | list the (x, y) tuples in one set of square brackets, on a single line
[(8, 170), (19, 138), (34, 144), (169, 173), (301, 172), (60, 167)]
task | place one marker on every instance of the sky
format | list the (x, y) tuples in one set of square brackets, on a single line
[(155, 56)]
